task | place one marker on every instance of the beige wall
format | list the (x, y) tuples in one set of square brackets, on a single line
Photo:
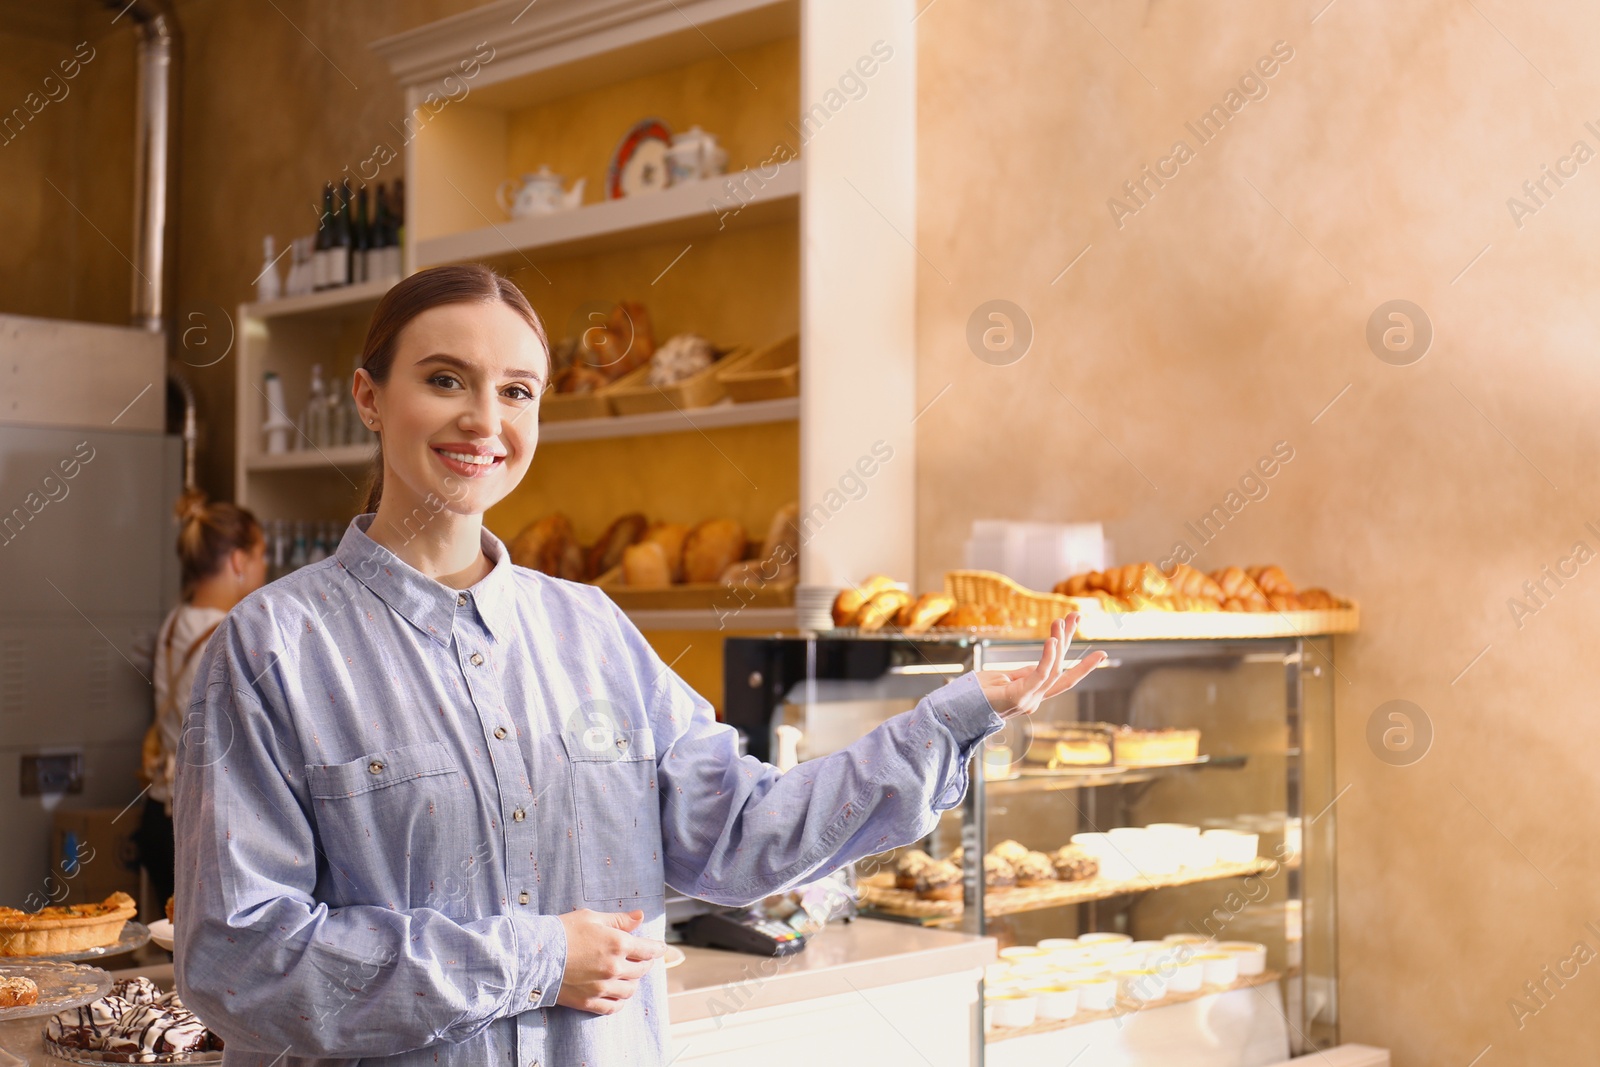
[(1189, 341), (1210, 326)]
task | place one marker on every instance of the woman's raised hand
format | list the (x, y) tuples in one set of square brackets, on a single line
[(1020, 692), (604, 961)]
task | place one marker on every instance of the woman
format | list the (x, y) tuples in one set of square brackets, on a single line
[(435, 798), (223, 556)]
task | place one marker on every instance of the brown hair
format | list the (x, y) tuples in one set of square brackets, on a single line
[(459, 284), (207, 533)]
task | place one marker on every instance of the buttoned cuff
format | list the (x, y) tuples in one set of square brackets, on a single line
[(962, 710), (542, 959)]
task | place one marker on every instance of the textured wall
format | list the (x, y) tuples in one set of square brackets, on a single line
[(1225, 315)]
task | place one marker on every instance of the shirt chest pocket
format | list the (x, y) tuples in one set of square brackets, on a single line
[(410, 800), (614, 799)]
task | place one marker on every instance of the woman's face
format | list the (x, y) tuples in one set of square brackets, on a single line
[(459, 414)]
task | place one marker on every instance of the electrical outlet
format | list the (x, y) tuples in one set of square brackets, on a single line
[(58, 772)]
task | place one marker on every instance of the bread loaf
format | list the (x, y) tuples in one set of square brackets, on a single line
[(670, 536), (645, 566), (607, 551), (710, 548)]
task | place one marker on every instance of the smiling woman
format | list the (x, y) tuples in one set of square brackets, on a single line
[(430, 801)]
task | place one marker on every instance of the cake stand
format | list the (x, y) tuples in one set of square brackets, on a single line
[(62, 986)]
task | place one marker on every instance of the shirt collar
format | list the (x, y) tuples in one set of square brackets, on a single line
[(426, 603)]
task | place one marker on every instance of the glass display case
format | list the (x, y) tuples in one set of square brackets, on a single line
[(1192, 920)]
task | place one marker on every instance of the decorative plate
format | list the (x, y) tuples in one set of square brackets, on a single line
[(61, 986), (639, 165), (161, 934), (134, 935)]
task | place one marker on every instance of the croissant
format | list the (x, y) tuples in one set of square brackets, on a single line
[(880, 609), (1077, 585), (1237, 585), (916, 616), (851, 599), (1184, 602), (1284, 602), (962, 617), (1271, 579), (1186, 581), (1318, 600)]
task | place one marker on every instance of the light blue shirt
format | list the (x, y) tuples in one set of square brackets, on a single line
[(388, 790)]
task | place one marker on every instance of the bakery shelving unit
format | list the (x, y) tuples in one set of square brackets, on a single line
[(819, 191), (1264, 710), (287, 336)]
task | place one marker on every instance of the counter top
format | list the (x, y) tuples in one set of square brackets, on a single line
[(855, 955), (861, 954)]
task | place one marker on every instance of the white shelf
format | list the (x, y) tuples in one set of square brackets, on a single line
[(340, 456), (321, 302), (675, 213), (708, 619), (717, 415)]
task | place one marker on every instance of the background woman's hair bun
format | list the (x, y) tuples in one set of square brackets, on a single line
[(191, 506)]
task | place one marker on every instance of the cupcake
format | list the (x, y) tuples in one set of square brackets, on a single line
[(1034, 868), (1073, 864), (998, 875), (939, 880)]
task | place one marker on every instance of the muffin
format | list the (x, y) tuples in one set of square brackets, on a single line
[(939, 880), (908, 866), (1010, 851), (1035, 868), (1073, 864), (998, 875)]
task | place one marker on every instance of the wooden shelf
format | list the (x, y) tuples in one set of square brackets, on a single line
[(708, 619), (327, 301), (339, 456), (726, 413), (905, 904), (1031, 781), (691, 209)]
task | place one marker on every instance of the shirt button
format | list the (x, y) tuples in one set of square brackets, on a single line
[(376, 767), (518, 815), (622, 742), (461, 600), (500, 733), (534, 995), (522, 898), (477, 660)]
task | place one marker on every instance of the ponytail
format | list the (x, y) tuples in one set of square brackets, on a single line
[(208, 534)]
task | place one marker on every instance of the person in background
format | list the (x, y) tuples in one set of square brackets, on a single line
[(224, 559)]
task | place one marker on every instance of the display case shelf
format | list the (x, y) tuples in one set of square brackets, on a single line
[(682, 211), (890, 902), (344, 457), (1125, 1007), (1028, 780)]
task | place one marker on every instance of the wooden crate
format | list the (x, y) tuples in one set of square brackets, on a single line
[(770, 373)]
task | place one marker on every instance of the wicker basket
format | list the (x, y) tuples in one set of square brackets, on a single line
[(563, 407), (770, 373), (1033, 612), (1030, 612), (632, 394)]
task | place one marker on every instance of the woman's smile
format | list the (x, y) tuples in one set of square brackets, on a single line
[(470, 461)]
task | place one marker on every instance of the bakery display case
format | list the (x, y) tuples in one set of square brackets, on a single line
[(1153, 850)]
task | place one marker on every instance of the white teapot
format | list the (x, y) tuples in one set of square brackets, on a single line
[(695, 154), (538, 194)]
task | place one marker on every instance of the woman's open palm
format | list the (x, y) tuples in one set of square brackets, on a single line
[(1020, 692)]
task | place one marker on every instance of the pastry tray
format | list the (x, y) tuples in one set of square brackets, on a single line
[(61, 985), (134, 935)]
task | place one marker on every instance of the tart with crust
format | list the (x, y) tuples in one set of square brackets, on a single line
[(64, 928)]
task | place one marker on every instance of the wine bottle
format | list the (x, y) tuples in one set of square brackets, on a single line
[(397, 209), (323, 252), (339, 265), (314, 421), (361, 241)]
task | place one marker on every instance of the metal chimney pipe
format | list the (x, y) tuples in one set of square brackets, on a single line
[(155, 162)]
